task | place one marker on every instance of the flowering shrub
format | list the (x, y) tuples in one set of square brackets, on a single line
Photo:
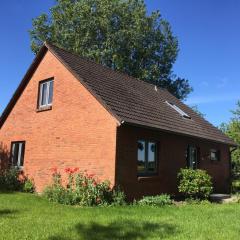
[(82, 189), (196, 184)]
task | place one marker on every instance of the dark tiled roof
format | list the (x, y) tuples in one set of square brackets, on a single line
[(129, 99), (135, 101)]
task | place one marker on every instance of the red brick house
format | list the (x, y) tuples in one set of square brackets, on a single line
[(71, 112)]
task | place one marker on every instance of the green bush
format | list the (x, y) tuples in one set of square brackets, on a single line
[(28, 186), (158, 201), (236, 186), (118, 197), (195, 184), (82, 189), (9, 180), (13, 179)]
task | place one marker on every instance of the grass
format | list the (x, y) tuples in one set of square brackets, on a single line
[(24, 216)]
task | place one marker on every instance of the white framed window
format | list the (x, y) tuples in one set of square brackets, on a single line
[(17, 154), (214, 155), (177, 109), (45, 93)]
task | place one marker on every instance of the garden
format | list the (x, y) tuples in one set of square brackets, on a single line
[(79, 206)]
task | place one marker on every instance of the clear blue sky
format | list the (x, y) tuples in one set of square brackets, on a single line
[(208, 34)]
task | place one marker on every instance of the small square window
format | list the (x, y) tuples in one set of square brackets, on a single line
[(45, 94), (17, 154), (214, 155), (147, 157)]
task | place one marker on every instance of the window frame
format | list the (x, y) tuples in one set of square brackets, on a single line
[(40, 94), (146, 172), (190, 165), (21, 157), (218, 153), (178, 110)]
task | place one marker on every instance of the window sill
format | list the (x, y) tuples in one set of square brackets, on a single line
[(43, 109), (148, 177)]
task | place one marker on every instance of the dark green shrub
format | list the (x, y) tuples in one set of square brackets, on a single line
[(158, 201), (10, 181), (13, 179), (196, 184), (82, 189)]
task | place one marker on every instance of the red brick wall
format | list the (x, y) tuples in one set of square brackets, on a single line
[(171, 157), (77, 132)]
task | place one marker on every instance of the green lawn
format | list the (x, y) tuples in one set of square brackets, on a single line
[(24, 216)]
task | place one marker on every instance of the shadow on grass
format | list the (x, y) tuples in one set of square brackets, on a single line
[(7, 212), (129, 230)]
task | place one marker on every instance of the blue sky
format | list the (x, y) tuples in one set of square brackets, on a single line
[(208, 34)]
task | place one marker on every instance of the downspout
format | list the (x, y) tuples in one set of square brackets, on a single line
[(230, 167)]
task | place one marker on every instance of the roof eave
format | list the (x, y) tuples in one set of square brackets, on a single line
[(22, 85), (231, 143)]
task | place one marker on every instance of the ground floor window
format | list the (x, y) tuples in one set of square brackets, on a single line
[(214, 155), (147, 157), (17, 154), (192, 157)]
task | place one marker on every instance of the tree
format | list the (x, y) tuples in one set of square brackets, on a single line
[(116, 33), (232, 129)]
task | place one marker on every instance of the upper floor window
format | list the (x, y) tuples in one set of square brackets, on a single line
[(17, 154), (147, 157), (214, 155), (45, 93), (177, 109)]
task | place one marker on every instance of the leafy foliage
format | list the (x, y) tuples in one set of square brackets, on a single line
[(28, 186), (195, 184), (157, 201), (9, 180), (116, 33), (82, 189), (232, 129), (13, 179)]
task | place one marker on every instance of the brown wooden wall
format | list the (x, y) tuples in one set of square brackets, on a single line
[(171, 157)]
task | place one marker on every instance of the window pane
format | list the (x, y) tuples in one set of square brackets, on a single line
[(141, 156), (15, 150), (18, 154), (192, 157), (50, 96), (151, 156), (44, 94), (214, 155), (22, 154)]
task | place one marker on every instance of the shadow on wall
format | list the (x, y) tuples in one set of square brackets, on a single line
[(4, 156), (130, 230)]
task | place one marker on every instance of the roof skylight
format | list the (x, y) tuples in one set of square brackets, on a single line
[(177, 109)]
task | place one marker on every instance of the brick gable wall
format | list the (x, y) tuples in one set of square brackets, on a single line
[(77, 132)]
